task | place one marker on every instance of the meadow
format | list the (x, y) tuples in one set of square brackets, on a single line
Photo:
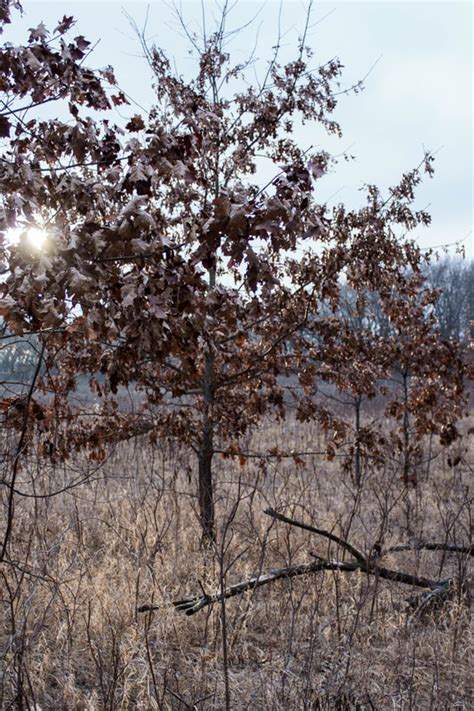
[(93, 542)]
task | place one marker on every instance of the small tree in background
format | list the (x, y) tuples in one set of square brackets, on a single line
[(394, 357), (170, 267)]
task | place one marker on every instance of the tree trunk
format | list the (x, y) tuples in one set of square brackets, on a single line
[(206, 450), (206, 496)]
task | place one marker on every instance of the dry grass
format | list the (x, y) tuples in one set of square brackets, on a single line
[(86, 558)]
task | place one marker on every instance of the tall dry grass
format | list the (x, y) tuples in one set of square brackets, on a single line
[(84, 558)]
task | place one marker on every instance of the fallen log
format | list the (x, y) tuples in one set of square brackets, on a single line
[(437, 591)]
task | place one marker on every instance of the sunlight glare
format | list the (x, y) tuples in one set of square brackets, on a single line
[(36, 237)]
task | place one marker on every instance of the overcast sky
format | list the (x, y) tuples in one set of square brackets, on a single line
[(418, 94)]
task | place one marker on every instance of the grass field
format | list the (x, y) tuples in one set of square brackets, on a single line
[(83, 560)]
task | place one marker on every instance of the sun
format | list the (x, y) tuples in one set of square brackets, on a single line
[(36, 237)]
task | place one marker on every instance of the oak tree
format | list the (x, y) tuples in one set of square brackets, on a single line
[(169, 266)]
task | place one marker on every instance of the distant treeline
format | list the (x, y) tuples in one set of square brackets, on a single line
[(453, 311)]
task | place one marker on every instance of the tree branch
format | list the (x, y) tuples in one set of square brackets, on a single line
[(438, 590), (191, 605), (321, 532)]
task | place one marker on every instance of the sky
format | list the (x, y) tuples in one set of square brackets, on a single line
[(416, 57)]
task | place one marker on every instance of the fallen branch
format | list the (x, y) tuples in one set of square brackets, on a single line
[(431, 601), (437, 589), (320, 531), (191, 605)]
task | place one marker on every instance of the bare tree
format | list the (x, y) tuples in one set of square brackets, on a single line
[(454, 308)]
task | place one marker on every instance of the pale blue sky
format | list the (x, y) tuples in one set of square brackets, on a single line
[(418, 94)]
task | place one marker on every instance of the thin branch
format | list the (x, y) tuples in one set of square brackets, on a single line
[(359, 84), (32, 105)]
